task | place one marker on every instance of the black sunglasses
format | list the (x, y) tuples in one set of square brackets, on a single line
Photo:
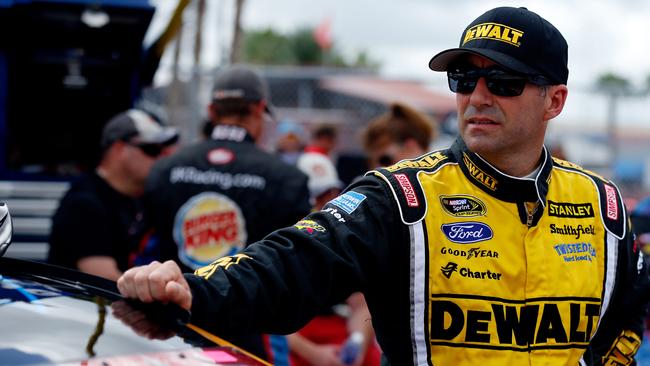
[(463, 80), (151, 150)]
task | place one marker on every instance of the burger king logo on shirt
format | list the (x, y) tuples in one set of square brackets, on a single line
[(207, 227)]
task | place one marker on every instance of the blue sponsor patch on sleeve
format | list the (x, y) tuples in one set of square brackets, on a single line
[(349, 201)]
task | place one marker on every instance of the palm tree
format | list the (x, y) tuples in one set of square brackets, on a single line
[(235, 50), (614, 87)]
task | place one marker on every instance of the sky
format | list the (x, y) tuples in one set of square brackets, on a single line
[(603, 36)]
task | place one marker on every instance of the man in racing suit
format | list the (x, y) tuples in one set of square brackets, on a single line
[(490, 252), (212, 198)]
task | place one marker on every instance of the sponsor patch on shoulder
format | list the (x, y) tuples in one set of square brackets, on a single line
[(349, 201), (407, 188), (309, 226), (612, 205)]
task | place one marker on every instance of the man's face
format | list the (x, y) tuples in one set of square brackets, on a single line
[(496, 127), (139, 158)]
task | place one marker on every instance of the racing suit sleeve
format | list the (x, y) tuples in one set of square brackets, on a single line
[(278, 284), (621, 330)]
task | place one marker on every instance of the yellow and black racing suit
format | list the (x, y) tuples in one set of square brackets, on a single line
[(460, 265)]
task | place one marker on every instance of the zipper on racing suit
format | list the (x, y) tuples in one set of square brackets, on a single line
[(531, 211)]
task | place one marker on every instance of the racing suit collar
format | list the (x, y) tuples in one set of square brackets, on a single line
[(231, 133), (500, 185)]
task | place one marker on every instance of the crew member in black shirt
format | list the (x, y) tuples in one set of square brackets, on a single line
[(99, 220)]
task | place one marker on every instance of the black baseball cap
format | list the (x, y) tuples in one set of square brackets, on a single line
[(136, 124), (515, 38), (238, 82)]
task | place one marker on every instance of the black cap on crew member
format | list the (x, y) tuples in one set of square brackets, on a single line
[(238, 83)]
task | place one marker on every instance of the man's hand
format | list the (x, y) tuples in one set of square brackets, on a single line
[(156, 281)]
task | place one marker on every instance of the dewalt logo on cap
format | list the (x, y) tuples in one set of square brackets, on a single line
[(495, 31)]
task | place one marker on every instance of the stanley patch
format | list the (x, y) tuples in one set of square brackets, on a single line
[(575, 210), (494, 31)]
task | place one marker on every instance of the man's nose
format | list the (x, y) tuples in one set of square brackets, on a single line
[(481, 95)]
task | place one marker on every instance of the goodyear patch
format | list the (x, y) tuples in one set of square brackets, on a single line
[(349, 201), (309, 226), (207, 227)]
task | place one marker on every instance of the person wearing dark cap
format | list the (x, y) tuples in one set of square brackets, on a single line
[(212, 198), (98, 222), (490, 252)]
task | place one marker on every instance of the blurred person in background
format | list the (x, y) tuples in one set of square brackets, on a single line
[(290, 142), (323, 140), (214, 197), (487, 253), (323, 179), (557, 150), (320, 341), (99, 222), (401, 133), (640, 217)]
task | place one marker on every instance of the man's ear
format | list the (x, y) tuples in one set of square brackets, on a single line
[(116, 149), (258, 108), (555, 99)]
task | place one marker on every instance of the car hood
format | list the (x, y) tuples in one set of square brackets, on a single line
[(54, 316)]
